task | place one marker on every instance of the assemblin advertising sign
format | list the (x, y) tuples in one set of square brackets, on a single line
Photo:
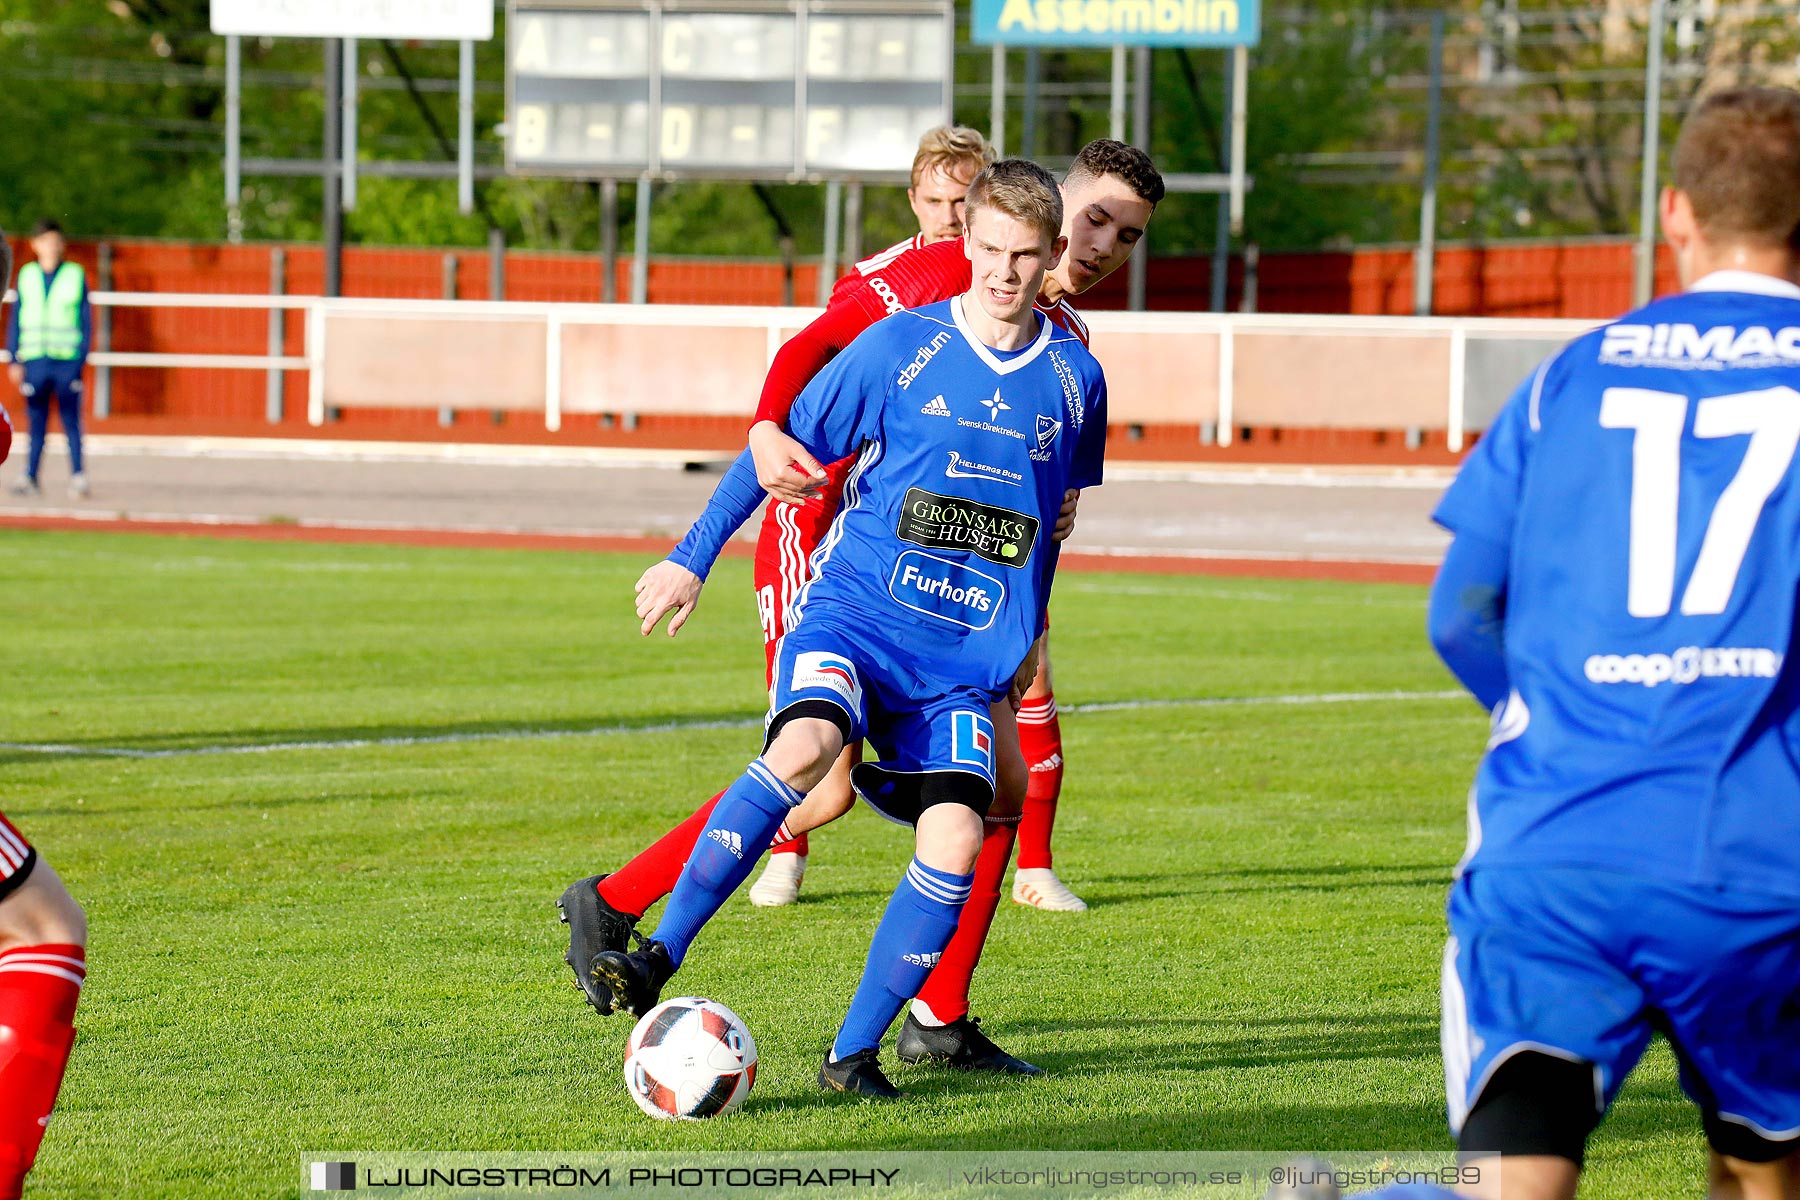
[(1116, 22)]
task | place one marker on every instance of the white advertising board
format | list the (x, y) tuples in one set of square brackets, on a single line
[(442, 20)]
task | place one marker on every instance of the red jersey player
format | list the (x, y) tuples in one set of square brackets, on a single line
[(1109, 196), (43, 961)]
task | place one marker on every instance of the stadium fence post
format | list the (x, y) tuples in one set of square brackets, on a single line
[(103, 336), (553, 329), (447, 414), (1227, 368), (315, 363), (272, 398), (496, 263), (1459, 358)]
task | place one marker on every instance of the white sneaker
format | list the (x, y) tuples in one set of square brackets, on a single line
[(25, 487), (1040, 888), (780, 882), (78, 485)]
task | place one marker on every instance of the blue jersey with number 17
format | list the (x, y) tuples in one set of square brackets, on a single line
[(942, 551), (1644, 483)]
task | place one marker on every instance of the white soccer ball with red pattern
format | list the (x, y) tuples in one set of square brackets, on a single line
[(688, 1059)]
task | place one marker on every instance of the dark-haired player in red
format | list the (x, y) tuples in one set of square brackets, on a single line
[(1109, 195), (43, 961)]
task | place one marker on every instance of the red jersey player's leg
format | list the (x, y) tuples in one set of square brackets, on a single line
[(939, 1028), (782, 549), (43, 961), (601, 910), (790, 533), (1040, 737)]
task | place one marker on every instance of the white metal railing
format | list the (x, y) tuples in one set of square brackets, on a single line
[(560, 319)]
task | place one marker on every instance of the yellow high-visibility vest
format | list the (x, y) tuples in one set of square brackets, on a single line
[(50, 312)]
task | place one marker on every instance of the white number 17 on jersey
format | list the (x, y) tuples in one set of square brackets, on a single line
[(1772, 419)]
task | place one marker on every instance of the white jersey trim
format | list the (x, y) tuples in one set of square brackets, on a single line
[(1746, 281), (875, 262), (986, 354)]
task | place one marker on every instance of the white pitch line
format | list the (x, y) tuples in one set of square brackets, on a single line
[(1258, 701), (446, 739)]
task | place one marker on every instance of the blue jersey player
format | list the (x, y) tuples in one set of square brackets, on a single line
[(1621, 591), (969, 420)]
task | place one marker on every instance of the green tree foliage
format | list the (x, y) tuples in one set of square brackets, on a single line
[(112, 120)]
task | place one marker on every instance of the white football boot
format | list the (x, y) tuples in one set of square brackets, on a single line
[(1040, 888), (780, 882)]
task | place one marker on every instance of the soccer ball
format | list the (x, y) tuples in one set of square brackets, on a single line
[(688, 1059)]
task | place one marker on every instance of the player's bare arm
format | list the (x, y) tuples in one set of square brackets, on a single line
[(668, 587)]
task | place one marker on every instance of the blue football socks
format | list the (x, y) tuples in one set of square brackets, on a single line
[(743, 821), (911, 937)]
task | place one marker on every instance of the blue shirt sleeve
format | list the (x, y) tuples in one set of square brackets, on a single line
[(1483, 499), (1467, 616), (841, 407), (733, 502), (1090, 449)]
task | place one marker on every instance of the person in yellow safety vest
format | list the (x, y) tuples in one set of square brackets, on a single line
[(47, 336)]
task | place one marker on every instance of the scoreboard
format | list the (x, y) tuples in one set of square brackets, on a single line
[(749, 89)]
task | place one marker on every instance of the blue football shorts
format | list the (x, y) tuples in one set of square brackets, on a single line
[(911, 737), (1586, 964)]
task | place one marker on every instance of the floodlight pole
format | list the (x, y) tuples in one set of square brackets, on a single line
[(1138, 280), (640, 244), (1643, 280), (1221, 257), (1028, 104), (234, 127), (1425, 265), (328, 167), (465, 126), (1115, 128), (834, 199), (1240, 131), (349, 104), (609, 241), (997, 102), (853, 216)]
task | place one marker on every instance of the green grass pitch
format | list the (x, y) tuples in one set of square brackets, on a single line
[(356, 947)]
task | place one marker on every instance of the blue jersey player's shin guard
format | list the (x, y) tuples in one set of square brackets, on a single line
[(914, 930)]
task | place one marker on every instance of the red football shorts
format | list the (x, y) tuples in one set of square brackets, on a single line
[(784, 548), (16, 857)]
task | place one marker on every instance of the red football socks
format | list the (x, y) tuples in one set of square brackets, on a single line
[(39, 986), (650, 876), (946, 990), (794, 845), (1040, 737)]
